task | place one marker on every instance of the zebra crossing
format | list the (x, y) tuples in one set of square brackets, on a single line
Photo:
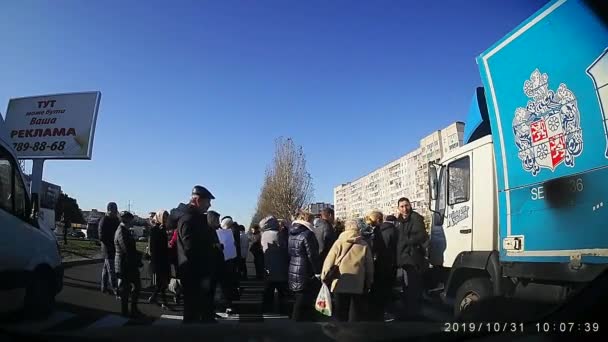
[(73, 322), (248, 309)]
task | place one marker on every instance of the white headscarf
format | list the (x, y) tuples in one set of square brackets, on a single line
[(160, 217), (226, 223)]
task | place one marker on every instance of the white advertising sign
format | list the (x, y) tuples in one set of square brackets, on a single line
[(58, 126), (227, 239)]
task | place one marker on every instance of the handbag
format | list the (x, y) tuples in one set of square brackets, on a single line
[(147, 256), (334, 270)]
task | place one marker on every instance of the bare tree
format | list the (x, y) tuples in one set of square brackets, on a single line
[(263, 206), (287, 184)]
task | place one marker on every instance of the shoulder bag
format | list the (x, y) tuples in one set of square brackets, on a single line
[(334, 271)]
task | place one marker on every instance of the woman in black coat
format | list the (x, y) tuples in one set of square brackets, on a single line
[(304, 266), (159, 256), (257, 252), (127, 263)]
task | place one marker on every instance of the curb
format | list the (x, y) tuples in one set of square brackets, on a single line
[(81, 262)]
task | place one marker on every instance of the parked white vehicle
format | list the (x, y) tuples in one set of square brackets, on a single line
[(137, 232), (30, 260)]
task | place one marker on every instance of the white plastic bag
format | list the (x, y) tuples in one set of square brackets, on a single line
[(175, 286), (323, 303)]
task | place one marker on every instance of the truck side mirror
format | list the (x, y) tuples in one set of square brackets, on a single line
[(433, 182), (35, 210), (438, 218)]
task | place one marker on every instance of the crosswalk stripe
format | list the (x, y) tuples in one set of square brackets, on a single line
[(253, 317), (243, 316), (168, 320), (54, 319), (109, 321), (174, 317)]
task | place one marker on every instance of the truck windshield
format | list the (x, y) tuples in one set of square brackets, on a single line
[(5, 182), (13, 196)]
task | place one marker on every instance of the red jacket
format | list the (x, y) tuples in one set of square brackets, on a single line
[(173, 246)]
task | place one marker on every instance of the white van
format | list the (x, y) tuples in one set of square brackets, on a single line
[(30, 260)]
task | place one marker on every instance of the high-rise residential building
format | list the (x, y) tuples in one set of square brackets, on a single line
[(315, 208), (404, 177)]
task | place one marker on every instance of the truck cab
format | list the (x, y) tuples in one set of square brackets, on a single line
[(30, 266), (521, 208), (465, 203)]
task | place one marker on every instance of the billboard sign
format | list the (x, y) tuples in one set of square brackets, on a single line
[(58, 126)]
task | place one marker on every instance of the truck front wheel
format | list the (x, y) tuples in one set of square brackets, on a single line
[(471, 291)]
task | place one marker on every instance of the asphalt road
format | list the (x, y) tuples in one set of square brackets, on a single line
[(81, 305)]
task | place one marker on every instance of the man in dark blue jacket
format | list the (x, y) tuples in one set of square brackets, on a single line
[(195, 250)]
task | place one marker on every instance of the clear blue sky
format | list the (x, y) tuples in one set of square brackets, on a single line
[(195, 92)]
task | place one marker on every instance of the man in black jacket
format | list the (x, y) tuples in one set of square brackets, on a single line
[(195, 254), (107, 228), (411, 261), (325, 233)]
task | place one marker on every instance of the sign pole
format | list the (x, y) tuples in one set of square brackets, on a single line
[(36, 185)]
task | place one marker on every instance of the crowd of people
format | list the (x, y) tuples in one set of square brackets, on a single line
[(201, 257)]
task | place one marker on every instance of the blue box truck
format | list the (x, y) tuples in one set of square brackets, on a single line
[(522, 208)]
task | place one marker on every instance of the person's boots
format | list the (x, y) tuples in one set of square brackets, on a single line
[(135, 313), (152, 298), (163, 298), (124, 307)]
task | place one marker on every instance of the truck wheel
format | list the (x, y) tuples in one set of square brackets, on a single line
[(40, 295), (470, 291)]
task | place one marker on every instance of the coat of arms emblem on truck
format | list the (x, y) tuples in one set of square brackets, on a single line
[(548, 130)]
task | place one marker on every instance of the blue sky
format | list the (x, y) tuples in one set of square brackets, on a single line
[(195, 92)]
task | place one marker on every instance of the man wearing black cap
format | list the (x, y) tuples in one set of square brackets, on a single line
[(107, 228), (195, 254)]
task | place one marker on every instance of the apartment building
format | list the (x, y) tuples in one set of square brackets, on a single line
[(404, 177), (378, 190), (315, 208)]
